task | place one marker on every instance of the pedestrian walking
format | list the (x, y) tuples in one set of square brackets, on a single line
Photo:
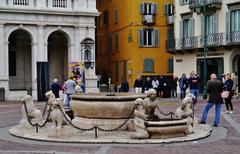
[(69, 88), (138, 85), (214, 89), (124, 85), (183, 85), (228, 87), (147, 84), (155, 85), (55, 87), (194, 82)]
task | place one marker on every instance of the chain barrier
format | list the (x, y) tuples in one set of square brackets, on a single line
[(95, 127), (36, 124), (166, 114)]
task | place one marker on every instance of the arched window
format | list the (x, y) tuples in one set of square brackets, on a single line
[(148, 65)]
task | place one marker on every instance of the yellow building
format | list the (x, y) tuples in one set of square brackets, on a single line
[(131, 39)]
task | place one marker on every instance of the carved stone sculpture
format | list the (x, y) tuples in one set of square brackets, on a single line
[(139, 119), (33, 113), (185, 112), (150, 104), (56, 115)]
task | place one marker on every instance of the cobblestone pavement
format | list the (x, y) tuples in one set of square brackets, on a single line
[(224, 140)]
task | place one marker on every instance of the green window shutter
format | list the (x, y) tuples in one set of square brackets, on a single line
[(117, 71), (154, 9), (170, 65), (215, 23), (145, 65), (181, 28), (156, 38), (202, 25), (141, 9), (140, 38), (166, 9), (116, 40), (148, 65), (151, 65), (228, 24), (191, 27)]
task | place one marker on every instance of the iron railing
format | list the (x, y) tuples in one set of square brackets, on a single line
[(212, 40), (199, 3)]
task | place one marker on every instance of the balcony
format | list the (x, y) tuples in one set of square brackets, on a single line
[(213, 40), (197, 5), (186, 43), (148, 19), (234, 38)]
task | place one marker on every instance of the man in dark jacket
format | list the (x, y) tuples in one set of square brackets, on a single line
[(55, 87), (214, 89)]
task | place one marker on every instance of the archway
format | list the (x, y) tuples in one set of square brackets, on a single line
[(58, 56), (20, 61), (236, 68)]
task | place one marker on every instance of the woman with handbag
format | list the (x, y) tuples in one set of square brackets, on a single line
[(228, 87)]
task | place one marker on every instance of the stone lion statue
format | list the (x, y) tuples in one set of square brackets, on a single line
[(185, 111), (140, 116), (34, 114), (56, 115)]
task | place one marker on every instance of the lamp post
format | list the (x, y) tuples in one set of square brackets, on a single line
[(204, 53)]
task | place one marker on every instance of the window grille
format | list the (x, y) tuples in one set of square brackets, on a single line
[(21, 2), (59, 3)]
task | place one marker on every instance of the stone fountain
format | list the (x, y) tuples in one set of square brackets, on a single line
[(104, 118)]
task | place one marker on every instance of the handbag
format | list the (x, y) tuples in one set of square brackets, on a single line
[(225, 94)]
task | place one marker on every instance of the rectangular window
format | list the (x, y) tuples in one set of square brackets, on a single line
[(235, 21), (125, 69), (116, 16), (148, 9), (110, 47), (117, 71), (59, 3), (148, 37), (21, 2), (186, 30), (211, 24), (148, 65), (116, 41), (168, 9), (105, 19)]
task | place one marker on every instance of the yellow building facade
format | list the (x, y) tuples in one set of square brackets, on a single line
[(131, 39)]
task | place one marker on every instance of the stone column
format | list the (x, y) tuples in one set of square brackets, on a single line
[(3, 59), (42, 47), (34, 69)]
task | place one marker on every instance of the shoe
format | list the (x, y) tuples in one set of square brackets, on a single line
[(201, 122), (227, 112), (215, 125), (231, 112)]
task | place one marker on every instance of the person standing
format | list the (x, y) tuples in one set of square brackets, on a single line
[(55, 87), (138, 85), (69, 88), (147, 84), (162, 86), (214, 89), (183, 85), (124, 85), (194, 81), (235, 84), (228, 87), (174, 86), (155, 85)]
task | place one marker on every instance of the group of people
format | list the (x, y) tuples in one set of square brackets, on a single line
[(68, 88)]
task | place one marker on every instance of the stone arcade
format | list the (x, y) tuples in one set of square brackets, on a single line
[(50, 31)]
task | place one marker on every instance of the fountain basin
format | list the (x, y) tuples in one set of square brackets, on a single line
[(167, 128), (101, 106)]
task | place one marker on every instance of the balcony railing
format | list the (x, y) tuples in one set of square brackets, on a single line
[(187, 43), (212, 41), (211, 4)]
